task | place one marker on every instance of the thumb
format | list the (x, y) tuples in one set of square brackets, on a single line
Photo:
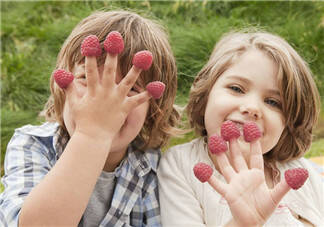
[(70, 92), (279, 191), (294, 179)]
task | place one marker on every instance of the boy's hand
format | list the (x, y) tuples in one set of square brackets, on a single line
[(101, 111), (246, 192)]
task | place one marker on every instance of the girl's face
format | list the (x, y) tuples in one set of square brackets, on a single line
[(134, 121), (247, 91)]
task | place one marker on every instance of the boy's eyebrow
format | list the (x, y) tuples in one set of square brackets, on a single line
[(247, 81)]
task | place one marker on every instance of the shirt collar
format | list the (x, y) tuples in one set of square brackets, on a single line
[(141, 161)]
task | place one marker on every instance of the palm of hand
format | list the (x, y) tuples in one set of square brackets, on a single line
[(249, 198), (103, 107)]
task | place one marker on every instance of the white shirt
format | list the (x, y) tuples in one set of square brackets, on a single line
[(185, 201)]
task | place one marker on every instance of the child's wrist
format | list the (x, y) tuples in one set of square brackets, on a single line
[(97, 138), (233, 223)]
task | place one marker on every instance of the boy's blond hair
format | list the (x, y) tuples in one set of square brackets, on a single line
[(298, 91), (139, 34)]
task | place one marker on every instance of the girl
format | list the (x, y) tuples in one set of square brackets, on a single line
[(250, 77), (94, 162)]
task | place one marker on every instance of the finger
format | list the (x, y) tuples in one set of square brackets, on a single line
[(218, 185), (225, 167), (256, 158), (92, 74), (129, 80), (279, 191), (236, 155), (110, 69), (138, 99), (71, 93)]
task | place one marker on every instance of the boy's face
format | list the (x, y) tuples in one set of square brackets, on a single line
[(133, 123), (247, 91)]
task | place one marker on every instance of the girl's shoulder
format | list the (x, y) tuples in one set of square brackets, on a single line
[(298, 163), (187, 155)]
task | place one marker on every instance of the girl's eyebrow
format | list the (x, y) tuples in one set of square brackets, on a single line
[(240, 78), (274, 92)]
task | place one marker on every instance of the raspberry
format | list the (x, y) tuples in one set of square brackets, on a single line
[(295, 178), (229, 131), (251, 132), (63, 78), (114, 43), (143, 59), (203, 171), (216, 144), (156, 89), (91, 46)]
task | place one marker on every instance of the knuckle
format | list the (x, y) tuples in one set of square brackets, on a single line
[(90, 71), (128, 82), (109, 69)]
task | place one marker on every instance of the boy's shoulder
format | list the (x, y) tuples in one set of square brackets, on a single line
[(42, 137), (47, 129)]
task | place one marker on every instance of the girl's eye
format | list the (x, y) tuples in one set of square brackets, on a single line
[(81, 77), (274, 103), (236, 88)]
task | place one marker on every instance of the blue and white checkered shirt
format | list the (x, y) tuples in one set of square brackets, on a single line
[(34, 150)]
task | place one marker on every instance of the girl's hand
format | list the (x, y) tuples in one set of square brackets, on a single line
[(101, 110), (250, 200)]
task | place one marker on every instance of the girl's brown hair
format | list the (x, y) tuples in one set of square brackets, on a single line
[(298, 91), (139, 34)]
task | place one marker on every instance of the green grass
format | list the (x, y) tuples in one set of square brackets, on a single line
[(317, 149)]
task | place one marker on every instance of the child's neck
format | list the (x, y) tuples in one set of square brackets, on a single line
[(113, 161)]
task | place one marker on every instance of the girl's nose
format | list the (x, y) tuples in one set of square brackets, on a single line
[(252, 110)]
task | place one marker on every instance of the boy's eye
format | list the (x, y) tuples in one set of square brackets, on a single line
[(133, 91), (274, 103), (236, 88)]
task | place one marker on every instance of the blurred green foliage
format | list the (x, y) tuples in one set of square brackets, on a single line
[(33, 32)]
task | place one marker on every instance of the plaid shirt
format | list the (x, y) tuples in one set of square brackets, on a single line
[(34, 150)]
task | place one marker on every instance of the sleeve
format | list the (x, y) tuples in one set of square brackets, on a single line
[(179, 203), (25, 165)]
